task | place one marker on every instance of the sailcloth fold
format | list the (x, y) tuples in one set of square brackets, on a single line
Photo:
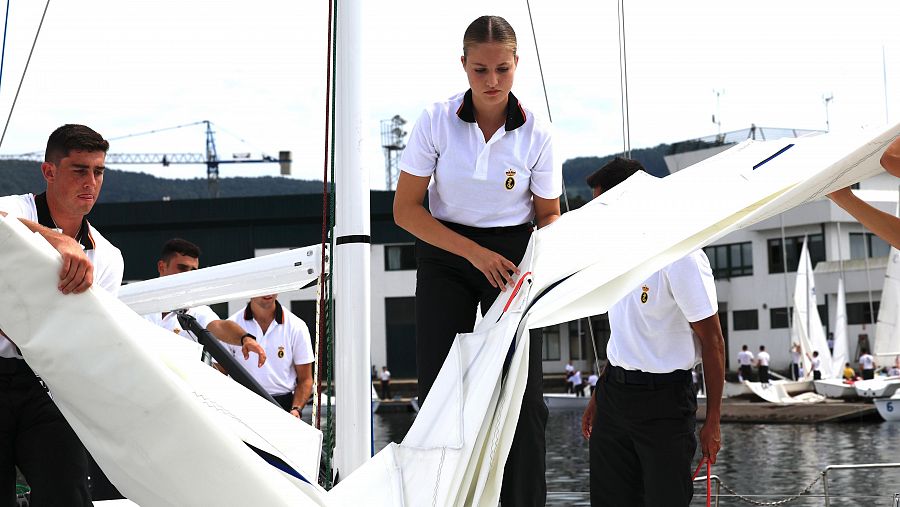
[(841, 352), (806, 327), (887, 330)]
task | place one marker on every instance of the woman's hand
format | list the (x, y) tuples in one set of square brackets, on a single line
[(499, 270)]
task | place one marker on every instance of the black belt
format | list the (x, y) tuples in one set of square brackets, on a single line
[(467, 230), (12, 366), (638, 377)]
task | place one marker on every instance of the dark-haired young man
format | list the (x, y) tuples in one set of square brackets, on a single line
[(179, 256), (33, 433), (644, 407)]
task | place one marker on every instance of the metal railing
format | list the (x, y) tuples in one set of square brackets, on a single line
[(823, 476)]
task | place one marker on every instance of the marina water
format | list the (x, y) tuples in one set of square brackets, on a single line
[(765, 462)]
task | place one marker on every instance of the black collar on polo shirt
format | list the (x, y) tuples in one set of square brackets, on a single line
[(515, 114), (279, 313), (45, 219)]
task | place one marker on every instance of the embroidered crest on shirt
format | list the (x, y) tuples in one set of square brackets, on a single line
[(645, 294), (510, 179), (280, 352), (176, 331)]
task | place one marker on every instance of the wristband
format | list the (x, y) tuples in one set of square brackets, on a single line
[(298, 409), (246, 335)]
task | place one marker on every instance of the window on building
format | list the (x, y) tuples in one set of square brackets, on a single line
[(863, 243), (792, 247), (732, 260), (551, 343), (861, 313), (399, 257), (306, 310), (745, 320), (778, 317), (578, 340)]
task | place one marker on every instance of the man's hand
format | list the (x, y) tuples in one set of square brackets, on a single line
[(77, 273), (251, 345), (710, 440)]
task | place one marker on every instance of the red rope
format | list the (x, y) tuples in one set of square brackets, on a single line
[(515, 291), (703, 460)]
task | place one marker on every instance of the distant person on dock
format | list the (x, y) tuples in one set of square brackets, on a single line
[(592, 381), (385, 383), (570, 370), (287, 373), (884, 225), (36, 437), (796, 357), (576, 383), (867, 365), (641, 421), (816, 365), (762, 364), (180, 256), (849, 374), (488, 169), (745, 362)]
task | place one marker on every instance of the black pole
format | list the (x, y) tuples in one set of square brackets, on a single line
[(212, 345)]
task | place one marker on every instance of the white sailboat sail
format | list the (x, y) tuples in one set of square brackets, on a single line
[(451, 457), (887, 330), (807, 326), (841, 352)]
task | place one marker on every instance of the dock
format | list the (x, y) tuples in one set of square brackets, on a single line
[(743, 411)]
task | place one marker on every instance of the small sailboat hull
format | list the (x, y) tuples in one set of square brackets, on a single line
[(836, 389), (878, 387), (889, 408)]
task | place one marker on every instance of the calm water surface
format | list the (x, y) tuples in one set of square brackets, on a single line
[(756, 459)]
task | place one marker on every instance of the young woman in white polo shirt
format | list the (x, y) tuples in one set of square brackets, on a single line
[(488, 168)]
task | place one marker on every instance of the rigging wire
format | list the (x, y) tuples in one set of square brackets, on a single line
[(623, 82), (3, 52), (24, 71)]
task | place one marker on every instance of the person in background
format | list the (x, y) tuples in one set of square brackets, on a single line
[(867, 365), (592, 381), (385, 383), (287, 373), (745, 361), (796, 356), (180, 256), (848, 373), (641, 421), (34, 435), (570, 370), (816, 365), (884, 225), (576, 383), (762, 363), (488, 169)]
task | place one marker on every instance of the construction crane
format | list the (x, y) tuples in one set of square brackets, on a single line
[(210, 158)]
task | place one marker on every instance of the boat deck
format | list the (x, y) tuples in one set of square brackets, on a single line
[(741, 411)]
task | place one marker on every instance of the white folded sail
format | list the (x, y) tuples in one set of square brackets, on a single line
[(171, 435), (806, 327), (841, 352), (887, 330)]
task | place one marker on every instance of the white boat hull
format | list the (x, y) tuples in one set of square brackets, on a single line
[(836, 389), (889, 408), (877, 387), (747, 388), (562, 401)]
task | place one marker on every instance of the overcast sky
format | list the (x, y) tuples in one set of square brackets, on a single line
[(256, 70)]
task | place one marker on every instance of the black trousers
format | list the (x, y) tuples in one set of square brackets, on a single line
[(746, 372), (764, 374), (642, 444), (386, 390), (36, 437), (448, 291), (817, 375), (286, 400), (795, 371), (868, 374)]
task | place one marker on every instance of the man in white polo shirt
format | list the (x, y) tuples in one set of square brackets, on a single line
[(34, 435), (745, 362), (287, 374), (179, 256), (867, 365), (642, 418), (762, 362)]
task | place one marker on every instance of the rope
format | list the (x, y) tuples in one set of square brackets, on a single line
[(623, 82), (156, 131), (24, 71), (540, 68), (708, 477), (325, 321), (3, 53)]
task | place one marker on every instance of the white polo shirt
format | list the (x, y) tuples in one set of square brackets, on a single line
[(286, 342), (478, 183), (203, 314), (745, 358), (867, 361), (106, 258), (816, 363), (650, 326), (763, 357)]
